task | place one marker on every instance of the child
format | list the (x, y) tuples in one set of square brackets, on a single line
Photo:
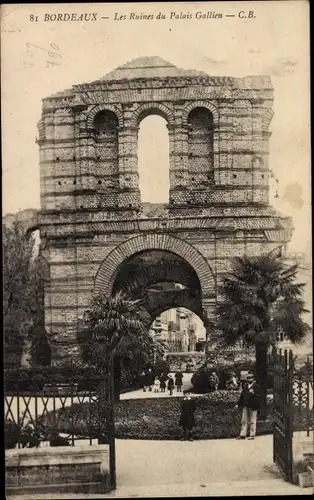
[(156, 385), (187, 419)]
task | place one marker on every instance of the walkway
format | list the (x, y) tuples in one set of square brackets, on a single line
[(140, 394), (148, 469)]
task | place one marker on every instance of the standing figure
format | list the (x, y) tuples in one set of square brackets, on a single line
[(162, 380), (232, 383), (170, 385), (150, 379), (178, 380), (156, 384), (187, 419), (143, 378), (249, 402), (214, 381)]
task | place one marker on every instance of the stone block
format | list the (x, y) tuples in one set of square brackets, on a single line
[(79, 469)]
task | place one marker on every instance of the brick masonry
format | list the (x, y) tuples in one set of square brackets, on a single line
[(92, 219)]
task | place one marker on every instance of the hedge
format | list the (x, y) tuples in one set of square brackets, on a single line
[(216, 418), (34, 379)]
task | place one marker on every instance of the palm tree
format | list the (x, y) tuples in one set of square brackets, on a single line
[(113, 324), (260, 301)]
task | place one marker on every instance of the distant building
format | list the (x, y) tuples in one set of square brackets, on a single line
[(181, 328)]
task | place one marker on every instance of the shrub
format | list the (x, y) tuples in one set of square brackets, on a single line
[(11, 435), (223, 367), (161, 366), (216, 417), (34, 379), (27, 436)]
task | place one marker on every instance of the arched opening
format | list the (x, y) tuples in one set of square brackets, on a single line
[(201, 147), (181, 329), (153, 160), (161, 279), (106, 150)]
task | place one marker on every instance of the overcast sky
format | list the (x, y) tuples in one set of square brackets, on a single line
[(275, 43)]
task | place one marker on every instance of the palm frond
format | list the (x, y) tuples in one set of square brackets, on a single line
[(259, 296)]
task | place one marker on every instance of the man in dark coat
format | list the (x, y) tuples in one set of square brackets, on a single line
[(178, 380), (187, 419), (249, 402), (170, 385), (163, 378)]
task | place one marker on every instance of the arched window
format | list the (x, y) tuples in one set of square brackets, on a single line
[(107, 149), (201, 148), (106, 123), (153, 160)]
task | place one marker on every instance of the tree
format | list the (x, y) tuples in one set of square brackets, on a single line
[(115, 326), (23, 303), (260, 300)]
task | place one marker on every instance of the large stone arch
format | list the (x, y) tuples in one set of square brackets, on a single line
[(151, 108), (200, 104), (103, 107), (105, 276)]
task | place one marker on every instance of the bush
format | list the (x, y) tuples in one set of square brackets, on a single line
[(34, 379), (161, 366), (216, 418), (223, 368), (11, 435), (27, 436)]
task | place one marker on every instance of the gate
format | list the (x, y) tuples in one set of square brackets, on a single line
[(292, 405), (282, 370)]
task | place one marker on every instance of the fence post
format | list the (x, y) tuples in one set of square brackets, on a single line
[(290, 415), (111, 426)]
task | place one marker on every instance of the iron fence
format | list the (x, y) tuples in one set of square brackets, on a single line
[(292, 404), (56, 415)]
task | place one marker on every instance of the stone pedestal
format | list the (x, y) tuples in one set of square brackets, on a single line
[(79, 469)]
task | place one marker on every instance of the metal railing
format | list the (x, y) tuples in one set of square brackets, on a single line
[(57, 415)]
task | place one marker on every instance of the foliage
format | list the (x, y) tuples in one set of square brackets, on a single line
[(223, 369), (29, 437), (161, 366), (216, 418), (116, 324), (34, 379), (23, 303), (260, 300)]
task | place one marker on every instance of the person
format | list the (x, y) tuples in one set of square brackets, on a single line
[(187, 419), (233, 383), (249, 402), (156, 385), (178, 380), (170, 384), (143, 381), (214, 381), (162, 380), (150, 379)]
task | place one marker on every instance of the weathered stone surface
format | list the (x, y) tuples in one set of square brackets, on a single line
[(69, 469), (92, 219)]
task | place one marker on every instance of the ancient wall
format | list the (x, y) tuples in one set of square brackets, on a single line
[(90, 199)]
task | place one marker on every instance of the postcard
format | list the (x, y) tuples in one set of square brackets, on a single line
[(157, 249)]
